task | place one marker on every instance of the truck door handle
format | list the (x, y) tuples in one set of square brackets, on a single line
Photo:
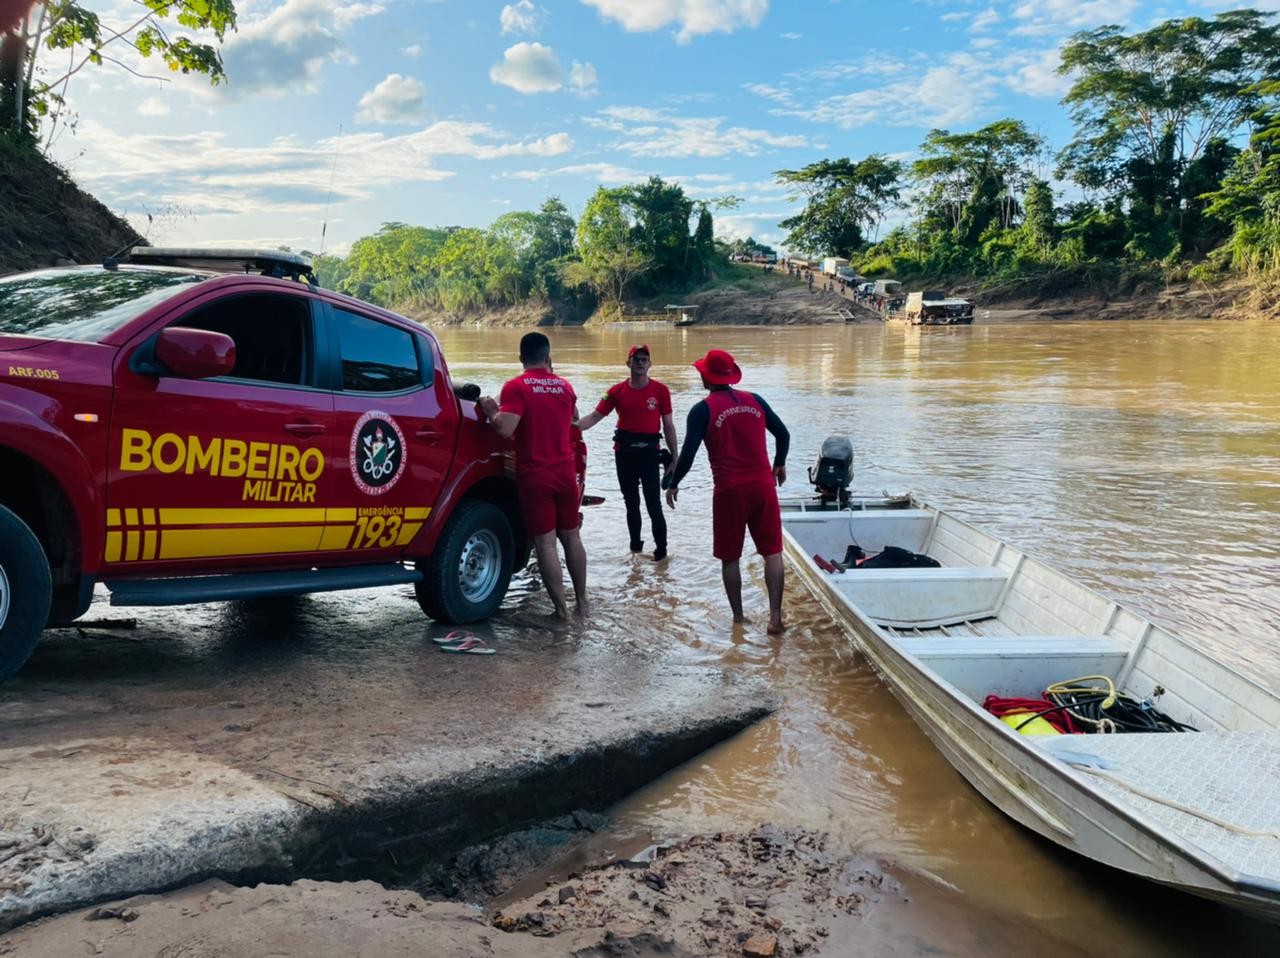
[(304, 428), (429, 435)]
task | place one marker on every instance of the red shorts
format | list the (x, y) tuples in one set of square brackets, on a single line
[(751, 506), (549, 500)]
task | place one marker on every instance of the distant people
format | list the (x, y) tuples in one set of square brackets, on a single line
[(538, 408), (745, 495), (644, 406)]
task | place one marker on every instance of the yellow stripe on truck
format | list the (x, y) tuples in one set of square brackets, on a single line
[(178, 533), (407, 532), (211, 543), (335, 538), (239, 517)]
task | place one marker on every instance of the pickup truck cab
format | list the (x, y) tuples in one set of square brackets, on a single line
[(190, 426)]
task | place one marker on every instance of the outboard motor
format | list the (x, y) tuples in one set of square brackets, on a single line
[(834, 471)]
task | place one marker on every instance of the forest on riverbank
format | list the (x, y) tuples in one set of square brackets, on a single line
[(1172, 175)]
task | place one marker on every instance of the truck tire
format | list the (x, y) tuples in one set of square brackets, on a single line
[(466, 577), (25, 592)]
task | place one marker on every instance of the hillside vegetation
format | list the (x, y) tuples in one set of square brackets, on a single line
[(46, 220)]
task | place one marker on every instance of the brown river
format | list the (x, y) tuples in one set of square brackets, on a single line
[(1142, 458)]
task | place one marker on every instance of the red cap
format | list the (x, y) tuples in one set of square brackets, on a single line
[(718, 367), (640, 348)]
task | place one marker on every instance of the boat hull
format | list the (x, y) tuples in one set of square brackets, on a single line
[(1025, 782)]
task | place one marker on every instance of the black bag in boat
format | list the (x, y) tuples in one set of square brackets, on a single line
[(895, 558)]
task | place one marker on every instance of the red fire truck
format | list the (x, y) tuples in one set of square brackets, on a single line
[(190, 426)]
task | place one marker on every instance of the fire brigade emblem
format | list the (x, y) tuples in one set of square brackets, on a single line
[(652, 403), (377, 453)]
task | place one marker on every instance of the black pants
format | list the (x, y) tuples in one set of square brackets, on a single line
[(638, 468)]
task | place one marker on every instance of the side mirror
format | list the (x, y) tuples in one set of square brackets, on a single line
[(196, 353)]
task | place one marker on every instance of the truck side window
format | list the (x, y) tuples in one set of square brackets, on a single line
[(271, 334), (376, 357)]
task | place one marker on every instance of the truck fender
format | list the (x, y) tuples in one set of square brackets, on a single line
[(459, 485), (37, 440)]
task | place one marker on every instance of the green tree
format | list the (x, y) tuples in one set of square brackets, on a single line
[(704, 236), (972, 181), (1039, 221), (610, 258), (661, 213), (844, 199), (1249, 196), (67, 25), (1154, 112)]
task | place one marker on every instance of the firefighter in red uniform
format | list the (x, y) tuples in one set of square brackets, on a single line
[(538, 407), (642, 405), (745, 497)]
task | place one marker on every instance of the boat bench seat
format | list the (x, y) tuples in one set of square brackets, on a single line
[(1013, 645), (923, 598), (1018, 665)]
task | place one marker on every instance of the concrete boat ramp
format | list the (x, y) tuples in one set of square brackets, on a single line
[(318, 738)]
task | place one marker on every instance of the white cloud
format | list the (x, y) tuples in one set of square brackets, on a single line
[(397, 99), (791, 36), (984, 19), (286, 49), (950, 17), (153, 106), (1044, 17), (583, 79), (523, 17), (1040, 76), (762, 226), (591, 172), (644, 131), (694, 17), (953, 90), (919, 90), (345, 16), (203, 174), (529, 68), (412, 51), (984, 43)]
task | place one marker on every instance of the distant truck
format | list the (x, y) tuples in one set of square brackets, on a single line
[(934, 308), (833, 263)]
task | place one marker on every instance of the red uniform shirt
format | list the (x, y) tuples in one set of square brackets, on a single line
[(544, 402), (735, 439), (639, 410)]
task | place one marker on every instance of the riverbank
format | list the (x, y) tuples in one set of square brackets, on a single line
[(776, 299), (258, 742)]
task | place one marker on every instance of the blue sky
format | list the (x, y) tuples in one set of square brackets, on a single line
[(453, 112)]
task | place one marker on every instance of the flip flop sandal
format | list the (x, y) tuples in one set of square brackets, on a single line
[(472, 646), (454, 637)]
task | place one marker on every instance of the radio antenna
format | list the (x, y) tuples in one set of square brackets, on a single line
[(324, 228)]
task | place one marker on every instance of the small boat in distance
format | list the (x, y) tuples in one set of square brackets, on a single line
[(1197, 809), (685, 315)]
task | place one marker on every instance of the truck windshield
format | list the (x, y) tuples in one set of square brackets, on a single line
[(85, 305)]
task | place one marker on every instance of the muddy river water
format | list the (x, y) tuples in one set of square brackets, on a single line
[(1142, 458)]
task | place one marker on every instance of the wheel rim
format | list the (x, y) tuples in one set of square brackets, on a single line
[(480, 566), (4, 597)]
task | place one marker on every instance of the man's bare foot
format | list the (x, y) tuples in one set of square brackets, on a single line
[(562, 612), (776, 626), (741, 619), (581, 609)]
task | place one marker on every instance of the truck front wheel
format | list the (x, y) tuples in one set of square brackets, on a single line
[(25, 592), (466, 577)]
